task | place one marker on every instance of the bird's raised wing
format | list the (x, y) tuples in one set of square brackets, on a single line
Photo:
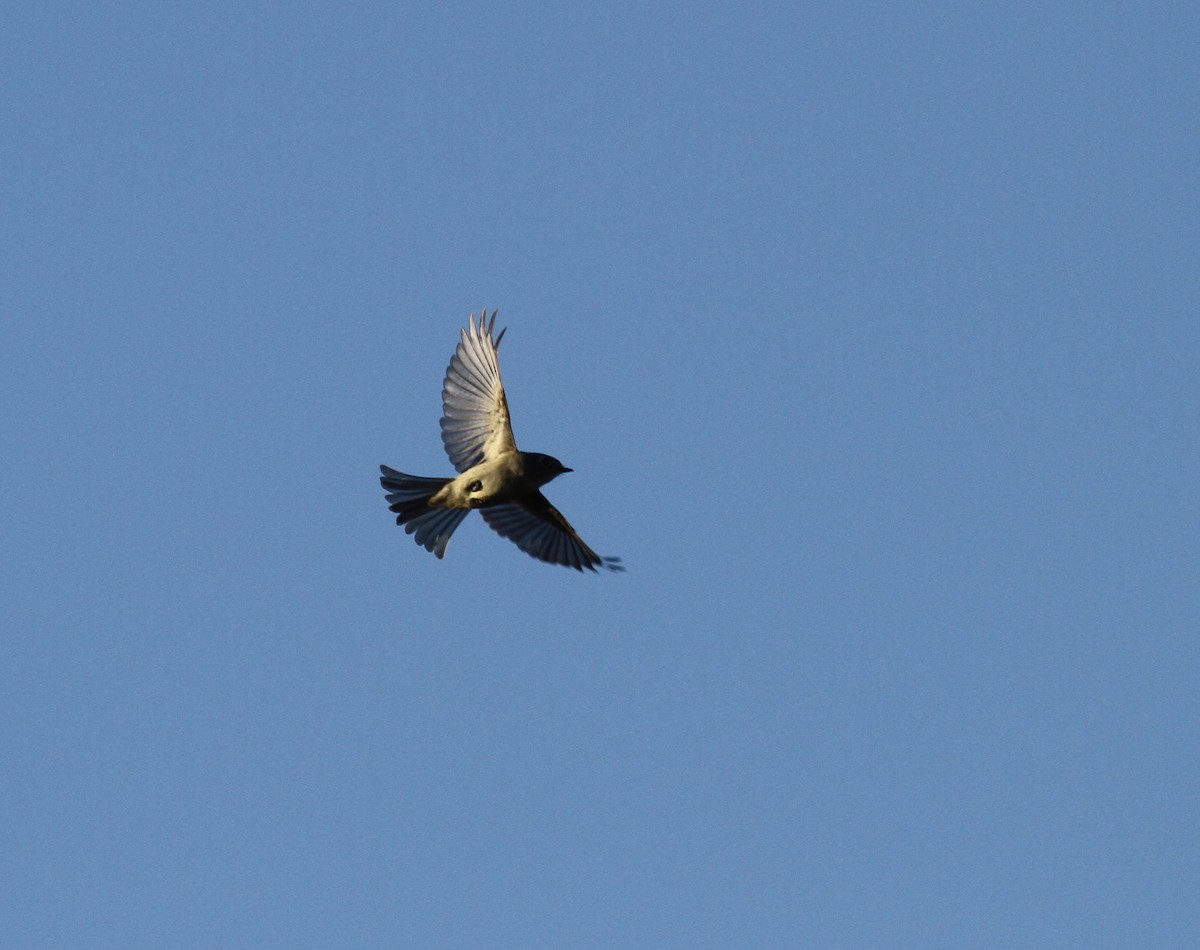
[(538, 529), (475, 422)]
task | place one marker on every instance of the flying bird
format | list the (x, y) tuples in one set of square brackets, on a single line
[(503, 482)]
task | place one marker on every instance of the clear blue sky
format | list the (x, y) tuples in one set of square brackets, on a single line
[(871, 332)]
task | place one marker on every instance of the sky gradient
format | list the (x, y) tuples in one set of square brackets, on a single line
[(870, 333)]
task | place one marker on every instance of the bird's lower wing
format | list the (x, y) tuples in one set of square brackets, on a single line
[(538, 529)]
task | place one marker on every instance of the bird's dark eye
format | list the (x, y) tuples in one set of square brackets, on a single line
[(475, 486)]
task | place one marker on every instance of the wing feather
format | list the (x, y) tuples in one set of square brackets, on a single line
[(540, 530), (475, 423)]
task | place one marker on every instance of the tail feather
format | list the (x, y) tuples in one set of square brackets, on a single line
[(433, 529), (408, 496)]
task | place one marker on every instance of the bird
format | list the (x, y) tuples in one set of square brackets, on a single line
[(503, 482)]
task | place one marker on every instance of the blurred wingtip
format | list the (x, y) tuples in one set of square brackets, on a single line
[(612, 564)]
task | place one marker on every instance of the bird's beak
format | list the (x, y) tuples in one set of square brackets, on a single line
[(565, 469)]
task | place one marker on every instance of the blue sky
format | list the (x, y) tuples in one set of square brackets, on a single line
[(871, 334)]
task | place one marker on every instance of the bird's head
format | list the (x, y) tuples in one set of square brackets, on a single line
[(543, 468)]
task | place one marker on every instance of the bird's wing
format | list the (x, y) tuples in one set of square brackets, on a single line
[(538, 529), (475, 422)]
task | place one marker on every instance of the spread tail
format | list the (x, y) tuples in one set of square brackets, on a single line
[(408, 496)]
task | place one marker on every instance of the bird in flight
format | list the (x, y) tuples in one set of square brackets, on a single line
[(503, 482)]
